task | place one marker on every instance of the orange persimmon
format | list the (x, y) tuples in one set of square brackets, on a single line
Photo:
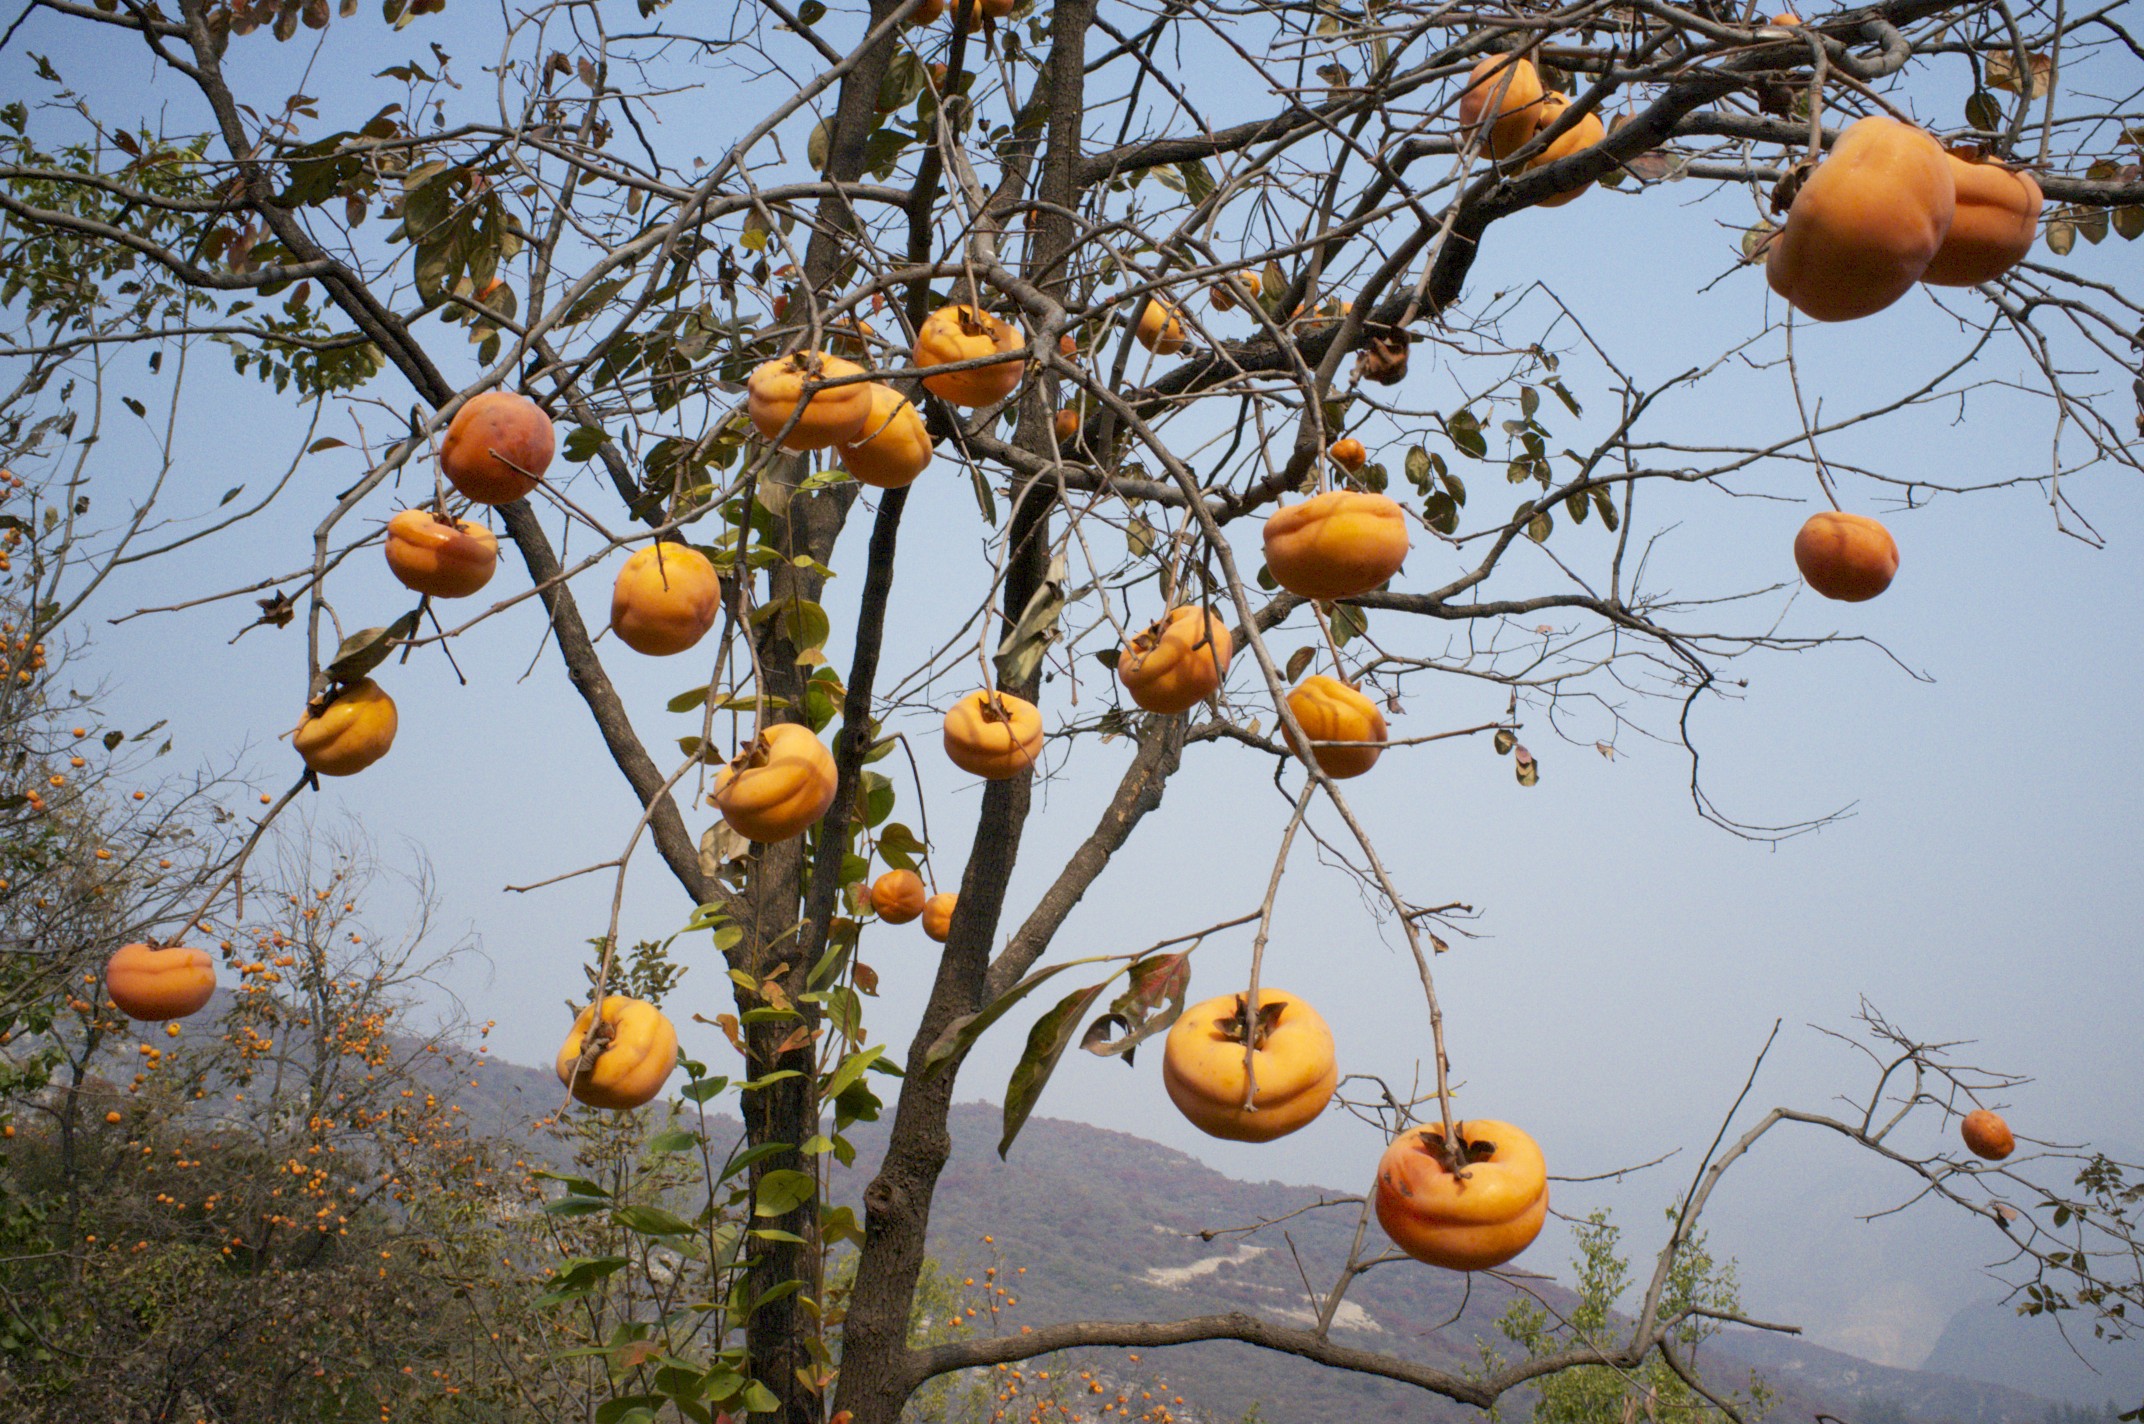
[(1849, 557), (1865, 225), (1987, 1135), (897, 896), (1513, 85), (1202, 1066), (1331, 711), (994, 735), (965, 333), (1337, 544), (665, 599), (1177, 662), (350, 733), (832, 415), (1992, 227), (893, 447), (497, 447), (1580, 136), (777, 787), (637, 1055), (438, 556), (1467, 1222), (154, 984), (938, 915)]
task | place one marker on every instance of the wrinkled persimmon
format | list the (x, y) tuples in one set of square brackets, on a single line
[(637, 1056), (1176, 663), (960, 332), (440, 557), (830, 415), (778, 786)]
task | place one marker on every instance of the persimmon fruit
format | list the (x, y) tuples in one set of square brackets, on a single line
[(938, 915), (1867, 222), (970, 14), (831, 415), (960, 332), (778, 786), (897, 896), (1581, 136), (1226, 297), (1337, 544), (497, 447), (1177, 662), (1987, 1135), (1329, 710), (440, 557), (1513, 86), (638, 1054), (994, 735), (1992, 227), (1849, 557), (1349, 453), (350, 733), (1160, 329), (1473, 1221), (665, 599), (893, 447), (153, 985), (1292, 1056)]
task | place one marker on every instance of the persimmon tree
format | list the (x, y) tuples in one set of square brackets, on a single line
[(1154, 323)]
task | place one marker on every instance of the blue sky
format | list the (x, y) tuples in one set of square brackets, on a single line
[(1631, 958)]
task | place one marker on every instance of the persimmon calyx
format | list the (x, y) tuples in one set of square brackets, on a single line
[(1236, 1027), (1456, 1152)]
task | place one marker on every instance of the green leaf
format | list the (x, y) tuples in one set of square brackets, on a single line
[(673, 1141), (582, 443), (1983, 112), (687, 700), (963, 1031), (1349, 623), (783, 1191), (651, 1221), (1045, 1045), (851, 1069), (899, 847)]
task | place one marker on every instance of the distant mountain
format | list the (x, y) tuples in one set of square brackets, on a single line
[(1992, 1342), (1108, 1225)]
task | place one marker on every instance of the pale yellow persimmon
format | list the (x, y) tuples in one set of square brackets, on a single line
[(1294, 1064)]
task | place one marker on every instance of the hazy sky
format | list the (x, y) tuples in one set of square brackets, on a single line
[(1631, 958)]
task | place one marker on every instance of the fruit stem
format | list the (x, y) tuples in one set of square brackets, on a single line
[(1258, 946)]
